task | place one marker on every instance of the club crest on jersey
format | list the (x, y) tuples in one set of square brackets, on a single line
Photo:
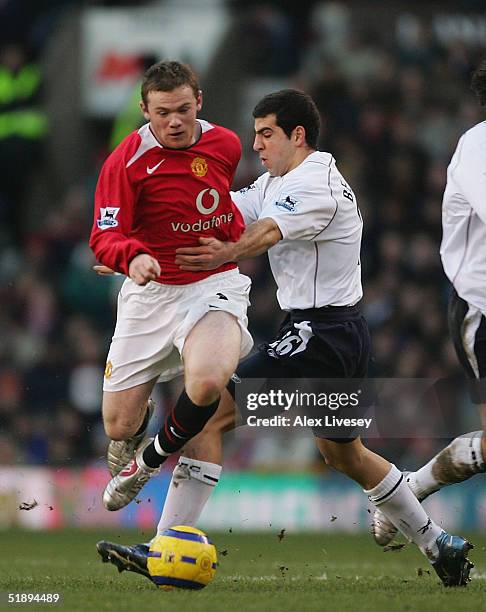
[(289, 203), (199, 166), (108, 217)]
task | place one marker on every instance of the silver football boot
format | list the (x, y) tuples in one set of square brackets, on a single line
[(120, 452), (382, 529), (124, 487)]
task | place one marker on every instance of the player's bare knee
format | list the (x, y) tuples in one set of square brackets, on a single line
[(120, 429), (345, 458), (203, 390)]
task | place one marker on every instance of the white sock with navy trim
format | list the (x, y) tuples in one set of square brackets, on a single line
[(399, 504)]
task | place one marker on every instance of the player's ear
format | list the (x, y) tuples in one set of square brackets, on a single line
[(199, 100), (299, 135), (144, 109)]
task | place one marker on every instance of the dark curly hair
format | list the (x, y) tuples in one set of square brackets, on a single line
[(478, 82)]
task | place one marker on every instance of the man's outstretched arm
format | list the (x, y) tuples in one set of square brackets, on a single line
[(212, 253), (142, 269)]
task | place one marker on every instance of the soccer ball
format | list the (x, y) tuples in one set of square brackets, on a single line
[(182, 557)]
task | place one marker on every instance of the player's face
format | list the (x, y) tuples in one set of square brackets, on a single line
[(172, 116), (276, 150)]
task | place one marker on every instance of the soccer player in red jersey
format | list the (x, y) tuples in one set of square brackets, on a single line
[(162, 188)]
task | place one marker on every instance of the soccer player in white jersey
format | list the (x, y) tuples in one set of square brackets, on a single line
[(463, 253), (306, 215)]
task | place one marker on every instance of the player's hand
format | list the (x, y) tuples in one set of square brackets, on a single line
[(103, 270), (143, 268), (211, 254)]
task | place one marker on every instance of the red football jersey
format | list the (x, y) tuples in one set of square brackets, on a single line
[(152, 199)]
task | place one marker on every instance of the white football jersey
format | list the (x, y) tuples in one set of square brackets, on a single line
[(463, 248), (317, 263)]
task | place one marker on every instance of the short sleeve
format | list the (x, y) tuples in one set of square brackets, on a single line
[(249, 201), (307, 203)]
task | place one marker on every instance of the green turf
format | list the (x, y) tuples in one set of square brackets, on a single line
[(258, 572)]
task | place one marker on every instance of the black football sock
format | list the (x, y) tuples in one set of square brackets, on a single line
[(183, 422)]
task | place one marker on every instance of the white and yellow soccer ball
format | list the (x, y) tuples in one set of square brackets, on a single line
[(182, 557)]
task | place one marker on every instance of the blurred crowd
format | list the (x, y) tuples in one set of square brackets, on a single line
[(392, 108)]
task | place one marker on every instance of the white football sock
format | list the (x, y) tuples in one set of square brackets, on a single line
[(402, 508), (191, 485), (457, 462)]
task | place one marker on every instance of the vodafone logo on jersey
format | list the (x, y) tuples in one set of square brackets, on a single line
[(204, 210), (207, 201), (201, 224)]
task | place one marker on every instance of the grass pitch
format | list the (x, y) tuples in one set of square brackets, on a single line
[(257, 572)]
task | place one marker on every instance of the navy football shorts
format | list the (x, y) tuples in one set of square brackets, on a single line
[(467, 326), (332, 342)]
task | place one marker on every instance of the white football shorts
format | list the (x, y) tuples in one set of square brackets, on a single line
[(153, 322)]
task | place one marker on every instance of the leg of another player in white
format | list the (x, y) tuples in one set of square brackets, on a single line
[(464, 457), (385, 486)]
